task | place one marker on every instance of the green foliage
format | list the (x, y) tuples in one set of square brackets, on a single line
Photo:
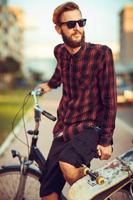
[(10, 103)]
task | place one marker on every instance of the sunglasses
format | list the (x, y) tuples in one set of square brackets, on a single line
[(72, 24)]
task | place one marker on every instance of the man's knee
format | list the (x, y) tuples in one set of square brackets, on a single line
[(70, 172)]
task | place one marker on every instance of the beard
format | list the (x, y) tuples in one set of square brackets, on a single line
[(71, 42)]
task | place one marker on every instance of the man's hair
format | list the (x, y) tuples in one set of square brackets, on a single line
[(68, 6)]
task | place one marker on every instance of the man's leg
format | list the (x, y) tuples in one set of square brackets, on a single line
[(80, 150), (71, 164), (53, 180), (70, 172)]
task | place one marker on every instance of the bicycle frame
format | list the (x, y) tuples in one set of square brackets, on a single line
[(34, 154)]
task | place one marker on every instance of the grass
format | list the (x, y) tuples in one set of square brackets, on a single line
[(10, 103)]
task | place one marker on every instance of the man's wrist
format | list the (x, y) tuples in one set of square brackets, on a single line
[(44, 87)]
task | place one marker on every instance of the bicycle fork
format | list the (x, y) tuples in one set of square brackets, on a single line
[(24, 165), (25, 162)]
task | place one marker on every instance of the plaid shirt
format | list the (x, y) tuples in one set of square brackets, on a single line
[(89, 90)]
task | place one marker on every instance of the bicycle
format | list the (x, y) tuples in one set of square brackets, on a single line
[(25, 177)]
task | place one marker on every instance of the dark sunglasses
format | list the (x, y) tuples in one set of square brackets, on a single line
[(72, 24)]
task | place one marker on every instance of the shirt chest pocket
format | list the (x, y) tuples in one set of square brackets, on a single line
[(88, 79)]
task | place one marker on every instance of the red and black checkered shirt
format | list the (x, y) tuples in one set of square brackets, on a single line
[(89, 90)]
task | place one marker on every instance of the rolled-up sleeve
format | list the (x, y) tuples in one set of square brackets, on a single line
[(55, 80), (107, 82)]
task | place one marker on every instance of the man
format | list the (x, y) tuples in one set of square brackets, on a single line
[(87, 110)]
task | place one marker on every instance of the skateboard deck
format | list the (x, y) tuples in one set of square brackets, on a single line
[(115, 173)]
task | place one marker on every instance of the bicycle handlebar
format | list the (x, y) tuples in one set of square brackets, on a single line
[(36, 92), (45, 113), (39, 92)]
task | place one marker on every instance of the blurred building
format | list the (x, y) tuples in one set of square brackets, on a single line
[(11, 32), (126, 35), (3, 2)]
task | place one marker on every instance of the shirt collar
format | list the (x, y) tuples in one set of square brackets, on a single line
[(78, 55)]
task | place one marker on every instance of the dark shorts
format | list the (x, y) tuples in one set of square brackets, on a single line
[(80, 150)]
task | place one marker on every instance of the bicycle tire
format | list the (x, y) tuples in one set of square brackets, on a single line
[(9, 180), (121, 195)]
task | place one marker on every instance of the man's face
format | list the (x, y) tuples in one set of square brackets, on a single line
[(73, 37)]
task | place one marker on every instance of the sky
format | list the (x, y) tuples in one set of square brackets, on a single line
[(40, 35)]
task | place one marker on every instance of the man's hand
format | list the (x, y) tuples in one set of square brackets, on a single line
[(104, 152), (44, 87)]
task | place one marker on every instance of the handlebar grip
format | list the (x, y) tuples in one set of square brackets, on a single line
[(48, 115)]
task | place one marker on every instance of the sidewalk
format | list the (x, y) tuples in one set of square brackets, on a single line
[(122, 136)]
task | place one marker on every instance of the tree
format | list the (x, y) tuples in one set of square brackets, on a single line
[(9, 65), (8, 68), (12, 65)]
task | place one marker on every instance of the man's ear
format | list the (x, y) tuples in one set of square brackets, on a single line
[(58, 29)]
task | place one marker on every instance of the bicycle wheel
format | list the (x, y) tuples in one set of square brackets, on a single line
[(9, 182), (121, 195)]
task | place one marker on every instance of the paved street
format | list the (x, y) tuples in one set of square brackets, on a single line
[(125, 112), (122, 137)]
